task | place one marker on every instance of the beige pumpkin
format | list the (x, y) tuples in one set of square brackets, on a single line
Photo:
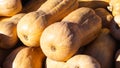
[(54, 64), (102, 49), (29, 58), (8, 34), (10, 7), (82, 61), (31, 26)]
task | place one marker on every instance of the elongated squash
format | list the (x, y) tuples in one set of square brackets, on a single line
[(31, 26), (60, 40)]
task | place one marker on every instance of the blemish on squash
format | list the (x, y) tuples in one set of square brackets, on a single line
[(76, 66), (25, 37), (53, 48)]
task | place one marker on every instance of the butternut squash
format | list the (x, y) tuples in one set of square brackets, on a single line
[(31, 26), (60, 40), (10, 7), (8, 61), (28, 58), (8, 34), (82, 61), (86, 18), (103, 49)]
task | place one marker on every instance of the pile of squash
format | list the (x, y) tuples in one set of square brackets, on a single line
[(59, 34)]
